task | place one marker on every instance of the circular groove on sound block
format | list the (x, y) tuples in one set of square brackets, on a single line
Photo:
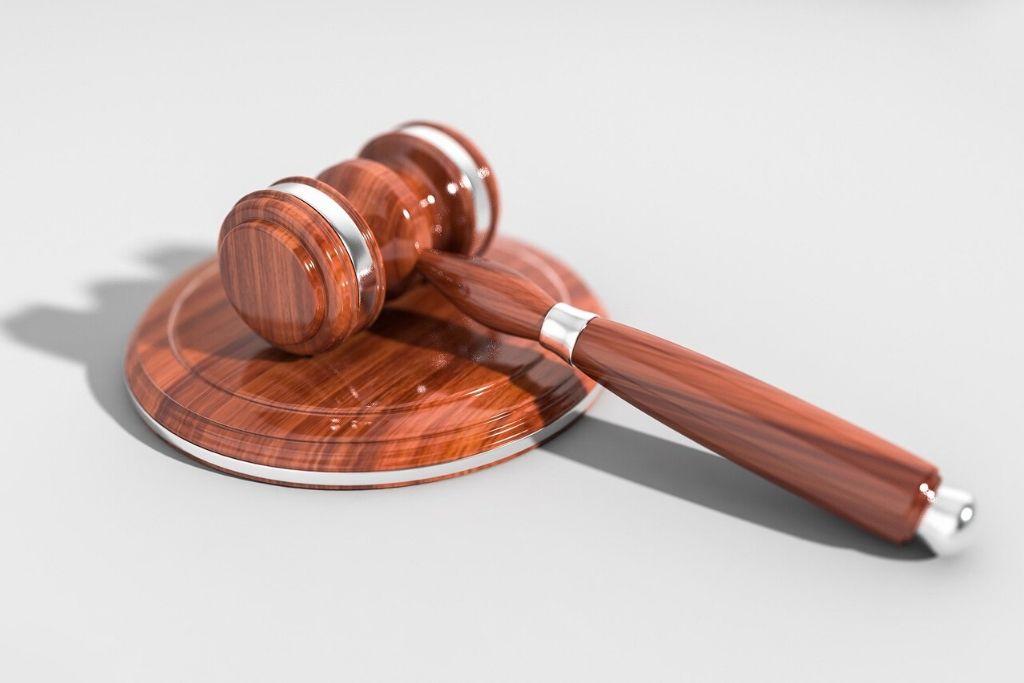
[(424, 394)]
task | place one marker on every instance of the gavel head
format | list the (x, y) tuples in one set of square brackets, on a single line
[(309, 262)]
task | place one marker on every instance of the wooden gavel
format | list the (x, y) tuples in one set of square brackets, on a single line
[(309, 262)]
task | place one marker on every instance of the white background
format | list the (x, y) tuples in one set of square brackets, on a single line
[(827, 195)]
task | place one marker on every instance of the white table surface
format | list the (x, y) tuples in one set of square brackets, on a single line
[(825, 195)]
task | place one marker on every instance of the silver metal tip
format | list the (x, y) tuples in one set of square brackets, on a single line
[(945, 525)]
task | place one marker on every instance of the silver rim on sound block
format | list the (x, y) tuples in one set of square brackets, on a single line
[(365, 479)]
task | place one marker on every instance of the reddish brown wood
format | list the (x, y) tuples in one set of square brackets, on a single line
[(400, 224), (488, 292), (482, 238), (809, 451), (805, 449), (422, 386), (276, 261), (288, 274), (284, 320), (436, 181), (266, 242)]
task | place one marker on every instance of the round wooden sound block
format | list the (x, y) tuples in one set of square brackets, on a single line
[(424, 394)]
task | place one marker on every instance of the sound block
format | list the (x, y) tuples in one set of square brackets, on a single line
[(424, 394)]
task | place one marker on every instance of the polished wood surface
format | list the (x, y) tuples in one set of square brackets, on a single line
[(489, 292), (422, 386), (437, 183), (809, 451), (287, 274), (286, 321), (407, 199), (400, 224), (805, 449), (482, 238)]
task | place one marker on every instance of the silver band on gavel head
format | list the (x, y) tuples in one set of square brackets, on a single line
[(471, 179), (351, 237)]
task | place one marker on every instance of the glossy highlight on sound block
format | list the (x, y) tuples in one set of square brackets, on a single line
[(424, 394)]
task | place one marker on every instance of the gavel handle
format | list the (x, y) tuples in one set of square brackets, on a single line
[(790, 442), (802, 448)]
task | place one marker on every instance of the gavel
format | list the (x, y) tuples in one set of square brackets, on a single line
[(308, 262)]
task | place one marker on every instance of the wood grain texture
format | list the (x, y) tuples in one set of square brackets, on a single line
[(401, 225), (489, 292), (805, 449), (284, 260), (288, 274), (424, 385), (436, 182), (809, 451), (482, 238)]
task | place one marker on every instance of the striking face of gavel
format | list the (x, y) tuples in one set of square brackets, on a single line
[(307, 263)]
